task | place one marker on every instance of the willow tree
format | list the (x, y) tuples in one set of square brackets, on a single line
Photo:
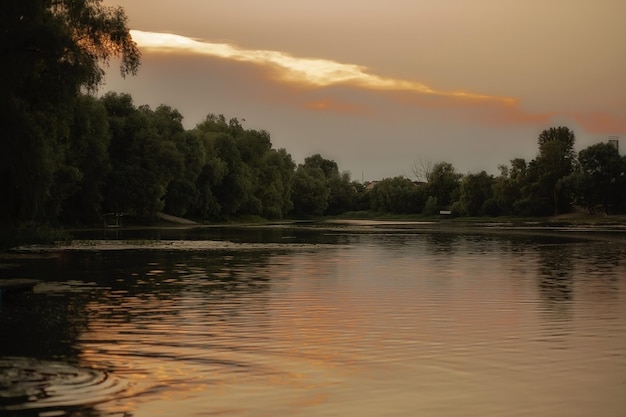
[(51, 52)]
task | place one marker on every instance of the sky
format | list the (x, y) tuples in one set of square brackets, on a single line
[(381, 86)]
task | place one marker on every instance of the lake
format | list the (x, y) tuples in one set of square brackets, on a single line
[(346, 319)]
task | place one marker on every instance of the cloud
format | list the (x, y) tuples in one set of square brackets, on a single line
[(328, 86), (598, 122), (339, 106), (311, 72)]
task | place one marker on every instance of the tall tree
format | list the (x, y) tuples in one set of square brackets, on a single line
[(143, 161), (602, 178), (50, 51), (328, 166), (309, 191), (88, 155), (444, 184), (507, 187), (275, 179), (476, 191), (555, 162), (182, 193), (395, 195)]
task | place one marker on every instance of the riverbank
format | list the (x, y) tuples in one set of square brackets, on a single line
[(576, 217), (578, 221)]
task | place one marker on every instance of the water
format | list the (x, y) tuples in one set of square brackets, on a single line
[(391, 320)]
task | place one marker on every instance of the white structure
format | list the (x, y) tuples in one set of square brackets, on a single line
[(614, 141)]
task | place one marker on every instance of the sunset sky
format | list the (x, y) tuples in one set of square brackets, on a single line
[(379, 85)]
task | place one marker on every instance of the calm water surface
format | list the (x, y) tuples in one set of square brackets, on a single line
[(318, 321)]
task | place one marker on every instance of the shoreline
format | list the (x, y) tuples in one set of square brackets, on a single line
[(583, 232), (577, 223)]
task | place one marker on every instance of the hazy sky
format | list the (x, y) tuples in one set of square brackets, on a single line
[(378, 85)]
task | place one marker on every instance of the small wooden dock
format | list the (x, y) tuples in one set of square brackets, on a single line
[(15, 285)]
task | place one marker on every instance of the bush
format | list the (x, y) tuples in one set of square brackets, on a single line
[(432, 206)]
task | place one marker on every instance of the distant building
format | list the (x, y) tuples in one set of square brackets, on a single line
[(370, 185), (614, 141)]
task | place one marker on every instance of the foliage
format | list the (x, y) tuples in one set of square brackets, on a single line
[(309, 191), (476, 191), (432, 206), (144, 161), (395, 195), (50, 50), (602, 178), (555, 162), (444, 184), (69, 157), (87, 157)]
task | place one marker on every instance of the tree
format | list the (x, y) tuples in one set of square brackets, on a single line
[(253, 146), (422, 169), (507, 187), (143, 161), (328, 166), (51, 50), (476, 191), (341, 191), (309, 191), (431, 207), (444, 184), (88, 155), (555, 162), (602, 176), (236, 187), (182, 195), (395, 195), (275, 179)]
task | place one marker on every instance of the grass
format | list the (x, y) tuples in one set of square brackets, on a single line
[(12, 236)]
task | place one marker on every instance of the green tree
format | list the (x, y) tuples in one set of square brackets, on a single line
[(275, 179), (602, 176), (235, 188), (182, 195), (253, 147), (431, 207), (341, 191), (328, 166), (309, 191), (476, 192), (444, 184), (555, 162), (507, 187), (51, 51), (88, 155), (395, 195), (143, 161)]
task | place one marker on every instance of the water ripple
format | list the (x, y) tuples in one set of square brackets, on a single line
[(31, 384)]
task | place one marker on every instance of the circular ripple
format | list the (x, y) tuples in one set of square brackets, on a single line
[(27, 383)]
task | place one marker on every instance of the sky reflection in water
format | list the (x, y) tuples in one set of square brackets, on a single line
[(367, 324)]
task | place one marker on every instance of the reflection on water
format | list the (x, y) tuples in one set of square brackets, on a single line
[(322, 321)]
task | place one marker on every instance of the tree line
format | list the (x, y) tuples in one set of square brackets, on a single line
[(70, 157)]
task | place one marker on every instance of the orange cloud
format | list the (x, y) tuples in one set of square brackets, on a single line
[(326, 75), (304, 71), (513, 114), (334, 105), (599, 123), (485, 112)]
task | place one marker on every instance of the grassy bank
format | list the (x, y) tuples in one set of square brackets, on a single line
[(11, 236)]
